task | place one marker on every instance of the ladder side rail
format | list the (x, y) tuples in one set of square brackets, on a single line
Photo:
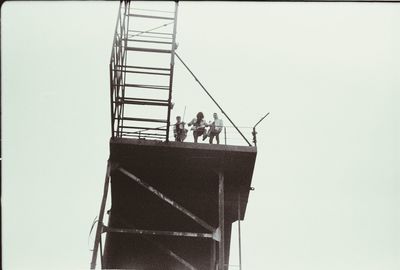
[(173, 47), (112, 63), (124, 37)]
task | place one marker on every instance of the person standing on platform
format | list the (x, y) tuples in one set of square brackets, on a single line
[(179, 130), (199, 126), (215, 129)]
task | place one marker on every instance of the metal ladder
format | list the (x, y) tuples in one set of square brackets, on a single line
[(141, 72)]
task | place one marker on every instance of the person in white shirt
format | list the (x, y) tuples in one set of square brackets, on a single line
[(215, 129)]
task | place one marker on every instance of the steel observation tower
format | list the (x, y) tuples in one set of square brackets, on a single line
[(172, 203)]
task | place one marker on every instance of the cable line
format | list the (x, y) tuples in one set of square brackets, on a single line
[(216, 103)]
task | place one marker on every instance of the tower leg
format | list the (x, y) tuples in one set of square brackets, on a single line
[(101, 215), (213, 255)]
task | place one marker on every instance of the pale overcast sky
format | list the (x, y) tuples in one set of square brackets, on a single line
[(326, 176)]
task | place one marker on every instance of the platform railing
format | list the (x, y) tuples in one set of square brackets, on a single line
[(227, 136)]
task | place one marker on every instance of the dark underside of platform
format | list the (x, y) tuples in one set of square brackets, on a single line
[(187, 173)]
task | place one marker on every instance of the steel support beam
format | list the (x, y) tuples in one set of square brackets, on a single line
[(101, 215), (221, 203), (153, 232), (213, 255), (169, 201), (173, 255)]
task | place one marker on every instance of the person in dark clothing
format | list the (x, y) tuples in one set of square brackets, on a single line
[(180, 131)]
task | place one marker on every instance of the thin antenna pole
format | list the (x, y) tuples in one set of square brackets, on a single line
[(254, 130), (183, 116), (261, 120), (216, 103)]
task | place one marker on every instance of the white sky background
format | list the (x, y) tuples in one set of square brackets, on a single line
[(326, 177)]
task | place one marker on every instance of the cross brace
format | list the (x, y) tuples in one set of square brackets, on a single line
[(169, 201)]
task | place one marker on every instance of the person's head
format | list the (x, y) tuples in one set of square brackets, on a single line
[(215, 115), (178, 118), (200, 116)]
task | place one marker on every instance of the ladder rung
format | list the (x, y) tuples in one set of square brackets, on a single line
[(147, 50), (152, 10), (144, 120), (141, 67), (141, 102), (146, 99), (157, 87), (151, 32), (142, 72), (150, 17), (148, 41), (143, 128), (140, 35)]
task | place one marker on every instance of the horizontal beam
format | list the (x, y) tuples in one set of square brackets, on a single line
[(150, 32), (144, 103), (168, 200), (142, 72), (147, 36), (142, 67), (151, 17), (143, 128), (147, 86), (139, 49), (153, 232), (144, 120), (149, 41)]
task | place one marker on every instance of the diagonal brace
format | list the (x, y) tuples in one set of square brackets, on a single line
[(172, 254), (168, 200)]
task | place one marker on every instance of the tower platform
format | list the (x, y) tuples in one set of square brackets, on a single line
[(151, 180)]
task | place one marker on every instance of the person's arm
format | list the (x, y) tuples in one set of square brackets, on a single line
[(191, 122)]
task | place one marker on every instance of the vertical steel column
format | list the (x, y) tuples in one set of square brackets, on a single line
[(213, 254), (101, 253), (240, 240), (101, 215), (221, 202), (172, 70)]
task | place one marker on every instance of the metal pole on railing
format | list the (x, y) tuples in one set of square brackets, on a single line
[(254, 130), (225, 134)]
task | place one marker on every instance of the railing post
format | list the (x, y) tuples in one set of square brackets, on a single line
[(254, 136), (225, 134)]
